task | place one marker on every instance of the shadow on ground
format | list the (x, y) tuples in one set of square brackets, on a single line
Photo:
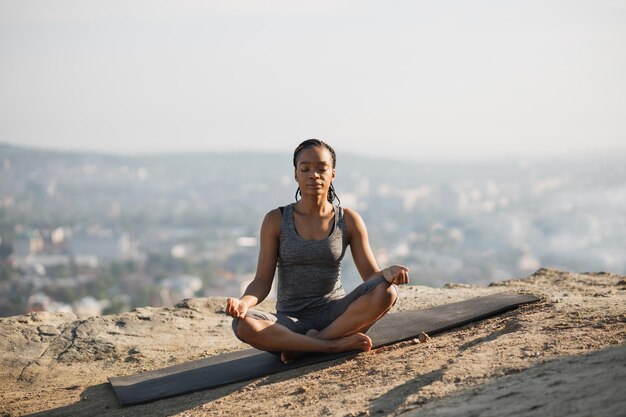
[(100, 400), (393, 399), (592, 384)]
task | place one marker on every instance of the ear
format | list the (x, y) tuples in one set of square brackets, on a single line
[(333, 176)]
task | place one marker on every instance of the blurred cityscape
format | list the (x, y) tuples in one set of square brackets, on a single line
[(97, 234)]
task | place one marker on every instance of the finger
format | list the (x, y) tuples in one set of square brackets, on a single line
[(233, 312), (232, 306)]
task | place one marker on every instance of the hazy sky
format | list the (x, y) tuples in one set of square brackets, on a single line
[(412, 79)]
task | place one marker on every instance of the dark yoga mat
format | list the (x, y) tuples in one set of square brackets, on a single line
[(249, 364)]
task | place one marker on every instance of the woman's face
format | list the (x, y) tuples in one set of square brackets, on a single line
[(314, 170)]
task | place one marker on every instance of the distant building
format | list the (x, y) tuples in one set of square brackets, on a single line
[(36, 243), (105, 248), (175, 289), (89, 307), (41, 302)]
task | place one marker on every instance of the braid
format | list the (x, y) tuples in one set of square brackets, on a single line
[(309, 143), (332, 195)]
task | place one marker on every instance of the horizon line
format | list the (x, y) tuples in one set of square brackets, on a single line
[(571, 154)]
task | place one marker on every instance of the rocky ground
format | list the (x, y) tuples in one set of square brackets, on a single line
[(565, 355)]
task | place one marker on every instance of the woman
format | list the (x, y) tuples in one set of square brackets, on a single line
[(306, 240)]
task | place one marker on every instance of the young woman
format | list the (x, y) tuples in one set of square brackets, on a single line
[(307, 240)]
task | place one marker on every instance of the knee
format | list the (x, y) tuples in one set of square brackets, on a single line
[(245, 329), (386, 295)]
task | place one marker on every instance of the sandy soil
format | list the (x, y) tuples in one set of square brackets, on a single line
[(565, 355)]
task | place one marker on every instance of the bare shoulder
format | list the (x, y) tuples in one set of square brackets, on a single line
[(354, 221), (272, 220), (351, 215)]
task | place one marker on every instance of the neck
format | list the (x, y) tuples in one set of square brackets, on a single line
[(314, 204)]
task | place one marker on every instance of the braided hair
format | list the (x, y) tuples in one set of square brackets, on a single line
[(310, 143)]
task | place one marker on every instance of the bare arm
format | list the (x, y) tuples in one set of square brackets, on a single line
[(260, 286), (363, 255)]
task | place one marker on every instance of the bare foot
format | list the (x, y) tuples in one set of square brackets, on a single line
[(289, 356), (357, 341)]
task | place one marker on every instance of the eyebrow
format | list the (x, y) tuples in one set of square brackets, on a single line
[(318, 163)]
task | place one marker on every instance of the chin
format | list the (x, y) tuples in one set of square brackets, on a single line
[(315, 192)]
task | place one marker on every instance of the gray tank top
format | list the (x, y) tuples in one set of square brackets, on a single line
[(309, 270)]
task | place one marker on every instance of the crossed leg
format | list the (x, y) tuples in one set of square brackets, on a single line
[(343, 334), (362, 313)]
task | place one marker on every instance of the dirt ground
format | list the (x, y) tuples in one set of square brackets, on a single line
[(565, 355)]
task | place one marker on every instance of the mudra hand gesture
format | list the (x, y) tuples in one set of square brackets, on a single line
[(396, 274), (236, 308)]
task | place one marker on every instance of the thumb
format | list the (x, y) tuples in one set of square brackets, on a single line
[(242, 309)]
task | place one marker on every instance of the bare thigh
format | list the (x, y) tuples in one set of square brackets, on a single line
[(297, 325), (331, 312)]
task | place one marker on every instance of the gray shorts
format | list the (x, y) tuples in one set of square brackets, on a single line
[(315, 318)]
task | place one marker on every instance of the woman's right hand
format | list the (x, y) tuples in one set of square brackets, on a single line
[(236, 308)]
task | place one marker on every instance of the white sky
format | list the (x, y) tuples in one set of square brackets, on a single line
[(412, 79)]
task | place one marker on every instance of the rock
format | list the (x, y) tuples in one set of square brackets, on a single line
[(423, 337), (298, 391), (48, 330), (453, 285)]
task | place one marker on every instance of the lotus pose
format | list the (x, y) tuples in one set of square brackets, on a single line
[(306, 241)]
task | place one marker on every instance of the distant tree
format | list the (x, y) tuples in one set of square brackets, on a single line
[(6, 250), (118, 305), (60, 271), (161, 266), (7, 272), (65, 294), (143, 297)]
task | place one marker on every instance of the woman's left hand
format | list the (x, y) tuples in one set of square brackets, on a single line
[(396, 274)]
